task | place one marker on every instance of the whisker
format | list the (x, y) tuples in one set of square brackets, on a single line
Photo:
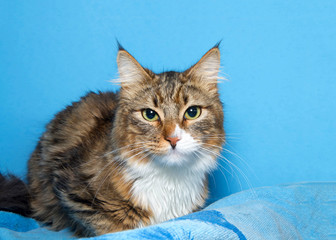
[(220, 167), (233, 165), (235, 175), (232, 153), (217, 154), (211, 145), (242, 160), (218, 163)]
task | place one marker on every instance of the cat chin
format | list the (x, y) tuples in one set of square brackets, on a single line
[(175, 158), (185, 161)]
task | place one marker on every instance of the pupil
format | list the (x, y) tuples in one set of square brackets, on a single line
[(192, 111), (150, 113)]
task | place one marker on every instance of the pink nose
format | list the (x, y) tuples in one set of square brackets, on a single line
[(172, 141)]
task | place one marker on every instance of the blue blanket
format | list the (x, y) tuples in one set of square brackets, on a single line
[(300, 211)]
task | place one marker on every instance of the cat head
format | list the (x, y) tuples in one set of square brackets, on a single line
[(171, 119)]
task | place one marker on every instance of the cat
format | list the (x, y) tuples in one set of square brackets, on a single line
[(122, 160)]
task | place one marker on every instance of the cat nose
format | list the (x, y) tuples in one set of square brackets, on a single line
[(172, 141)]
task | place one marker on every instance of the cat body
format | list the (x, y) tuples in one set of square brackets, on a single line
[(140, 156)]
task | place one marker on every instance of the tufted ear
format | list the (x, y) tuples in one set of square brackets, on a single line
[(131, 73), (206, 70)]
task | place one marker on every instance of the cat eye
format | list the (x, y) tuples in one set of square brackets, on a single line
[(150, 115), (192, 113)]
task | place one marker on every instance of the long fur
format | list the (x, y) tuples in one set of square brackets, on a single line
[(14, 195), (102, 167)]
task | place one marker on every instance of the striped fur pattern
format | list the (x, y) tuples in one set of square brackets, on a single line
[(101, 167)]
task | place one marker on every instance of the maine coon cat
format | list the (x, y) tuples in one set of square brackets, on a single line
[(140, 156)]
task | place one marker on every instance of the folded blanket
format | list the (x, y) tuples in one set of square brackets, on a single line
[(300, 211)]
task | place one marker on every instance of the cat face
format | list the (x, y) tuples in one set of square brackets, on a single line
[(172, 119)]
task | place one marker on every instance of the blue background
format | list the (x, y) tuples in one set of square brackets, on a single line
[(279, 58)]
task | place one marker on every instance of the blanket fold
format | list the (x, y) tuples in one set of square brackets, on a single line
[(297, 211)]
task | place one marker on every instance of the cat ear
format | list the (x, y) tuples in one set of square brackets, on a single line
[(131, 73), (206, 70)]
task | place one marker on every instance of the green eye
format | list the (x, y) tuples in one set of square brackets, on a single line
[(150, 115), (192, 113)]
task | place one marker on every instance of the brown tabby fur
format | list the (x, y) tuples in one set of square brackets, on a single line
[(77, 172)]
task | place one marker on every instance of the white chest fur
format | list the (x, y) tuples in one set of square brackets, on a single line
[(169, 194), (172, 185)]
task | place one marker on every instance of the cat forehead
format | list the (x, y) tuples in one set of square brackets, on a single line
[(170, 94), (170, 78), (169, 91), (171, 86)]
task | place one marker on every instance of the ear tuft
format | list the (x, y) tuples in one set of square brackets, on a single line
[(218, 44), (120, 47)]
